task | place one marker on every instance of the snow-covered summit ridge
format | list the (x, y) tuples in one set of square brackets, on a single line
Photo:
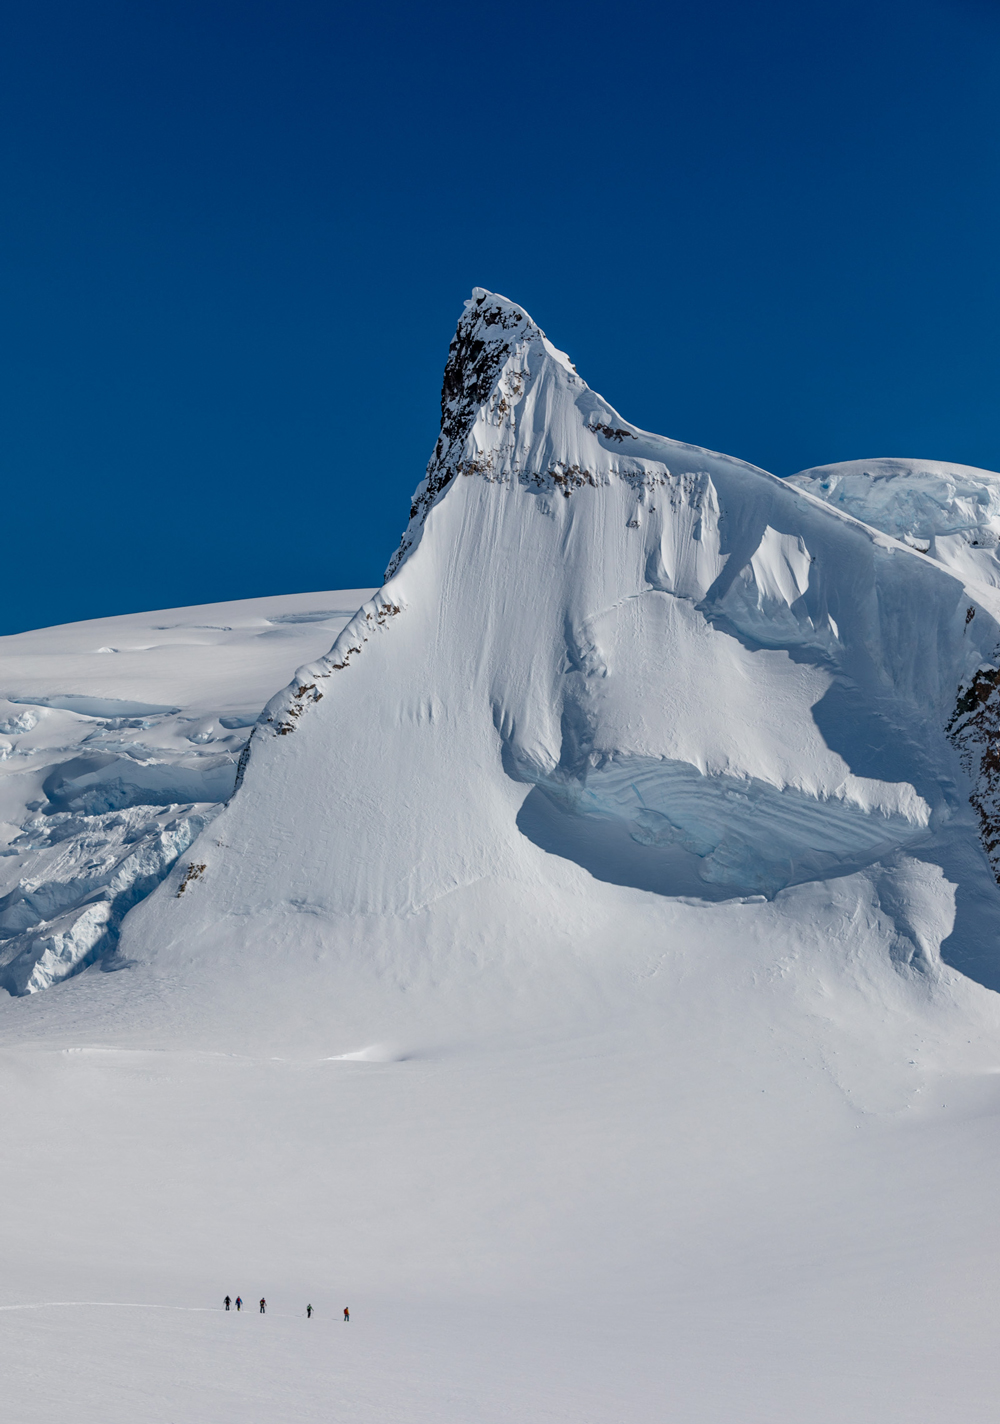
[(603, 653), (950, 512), (513, 407)]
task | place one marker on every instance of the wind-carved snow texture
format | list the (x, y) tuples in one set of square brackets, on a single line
[(717, 824), (664, 665)]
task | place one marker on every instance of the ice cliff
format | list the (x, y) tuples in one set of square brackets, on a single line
[(949, 512)]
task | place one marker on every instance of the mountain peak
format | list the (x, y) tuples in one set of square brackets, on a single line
[(488, 331), (491, 330), (515, 411)]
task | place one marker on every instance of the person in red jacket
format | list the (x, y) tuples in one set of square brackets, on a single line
[(239, 1302), (347, 1313)]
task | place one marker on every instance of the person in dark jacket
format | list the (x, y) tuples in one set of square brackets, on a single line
[(263, 1305), (309, 1311), (227, 1302), (239, 1302)]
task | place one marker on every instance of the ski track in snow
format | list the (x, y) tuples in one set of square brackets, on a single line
[(116, 1304)]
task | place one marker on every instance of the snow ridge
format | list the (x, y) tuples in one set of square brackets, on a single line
[(505, 415), (282, 713)]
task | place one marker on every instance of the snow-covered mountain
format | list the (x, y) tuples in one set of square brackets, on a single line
[(636, 658), (583, 966)]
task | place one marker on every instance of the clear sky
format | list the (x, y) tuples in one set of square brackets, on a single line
[(236, 236)]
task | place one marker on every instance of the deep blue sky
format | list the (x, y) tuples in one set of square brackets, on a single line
[(236, 237)]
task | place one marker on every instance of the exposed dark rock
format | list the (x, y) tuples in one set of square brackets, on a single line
[(975, 731), (486, 331)]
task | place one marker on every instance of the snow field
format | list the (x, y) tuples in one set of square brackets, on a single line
[(712, 1178)]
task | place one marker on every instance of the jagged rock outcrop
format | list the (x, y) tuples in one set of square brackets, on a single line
[(478, 349), (975, 731)]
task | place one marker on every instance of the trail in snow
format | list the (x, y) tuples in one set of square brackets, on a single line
[(117, 1304)]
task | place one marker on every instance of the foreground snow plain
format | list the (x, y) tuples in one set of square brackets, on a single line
[(740, 1177), (592, 1100)]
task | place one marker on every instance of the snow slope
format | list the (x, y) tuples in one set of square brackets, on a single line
[(571, 986)]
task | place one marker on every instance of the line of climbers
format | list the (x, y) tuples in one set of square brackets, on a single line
[(263, 1307)]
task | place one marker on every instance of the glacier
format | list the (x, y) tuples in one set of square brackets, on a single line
[(101, 793), (949, 512), (577, 955)]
